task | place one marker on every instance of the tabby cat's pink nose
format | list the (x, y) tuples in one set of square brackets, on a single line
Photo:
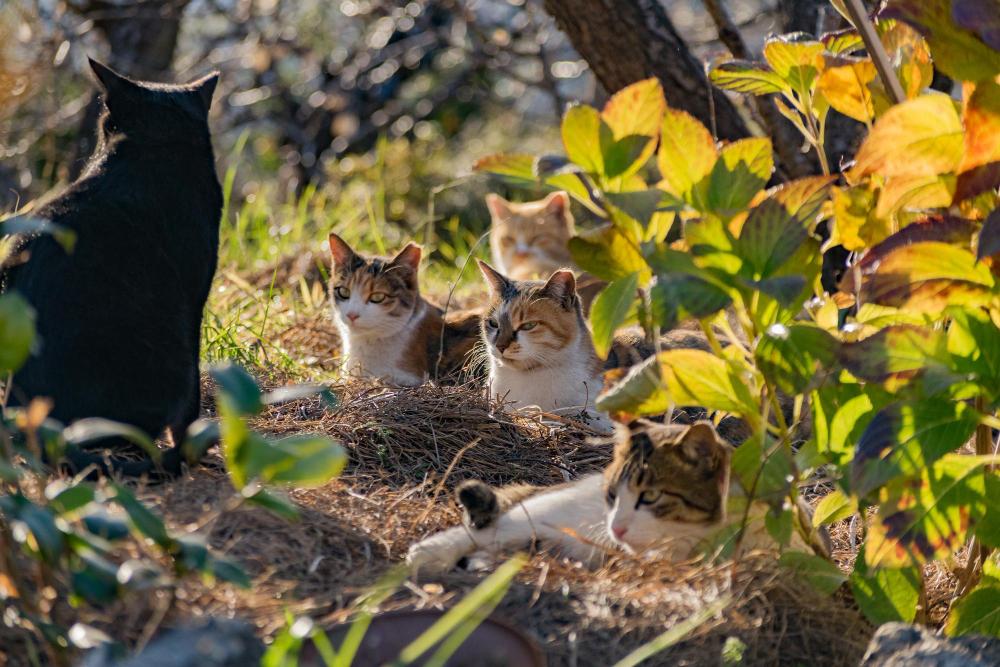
[(352, 316), (619, 531)]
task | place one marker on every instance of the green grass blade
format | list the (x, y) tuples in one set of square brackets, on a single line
[(462, 632), (673, 635), (375, 596), (480, 596)]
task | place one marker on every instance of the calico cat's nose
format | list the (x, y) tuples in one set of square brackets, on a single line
[(619, 531), (353, 317)]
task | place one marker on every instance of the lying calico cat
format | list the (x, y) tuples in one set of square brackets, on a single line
[(388, 330), (539, 348), (666, 491), (530, 240), (119, 317)]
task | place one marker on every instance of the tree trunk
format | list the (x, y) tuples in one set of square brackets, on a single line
[(142, 36), (624, 41)]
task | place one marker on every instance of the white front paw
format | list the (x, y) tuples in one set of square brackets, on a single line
[(437, 554)]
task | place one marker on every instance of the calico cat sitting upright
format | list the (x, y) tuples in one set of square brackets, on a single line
[(388, 330), (119, 316), (667, 490)]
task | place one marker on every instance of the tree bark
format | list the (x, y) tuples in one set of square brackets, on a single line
[(625, 41)]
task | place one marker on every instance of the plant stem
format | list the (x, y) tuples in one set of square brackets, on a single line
[(859, 17)]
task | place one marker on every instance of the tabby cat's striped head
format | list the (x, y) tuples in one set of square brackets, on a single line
[(373, 296), (665, 474), (529, 240), (529, 324)]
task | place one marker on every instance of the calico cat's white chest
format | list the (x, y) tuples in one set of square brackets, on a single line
[(566, 389), (379, 358)]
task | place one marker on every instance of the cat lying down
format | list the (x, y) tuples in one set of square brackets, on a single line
[(666, 491)]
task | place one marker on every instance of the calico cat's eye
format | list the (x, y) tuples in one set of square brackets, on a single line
[(342, 293), (527, 326), (377, 297), (649, 497), (491, 323)]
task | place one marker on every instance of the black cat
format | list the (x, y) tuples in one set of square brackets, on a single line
[(119, 317)]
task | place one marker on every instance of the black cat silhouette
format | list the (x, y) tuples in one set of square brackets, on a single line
[(119, 316)]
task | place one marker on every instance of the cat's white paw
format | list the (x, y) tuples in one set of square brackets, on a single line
[(439, 553)]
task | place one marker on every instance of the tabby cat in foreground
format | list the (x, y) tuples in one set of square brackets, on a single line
[(388, 329), (666, 491), (119, 317)]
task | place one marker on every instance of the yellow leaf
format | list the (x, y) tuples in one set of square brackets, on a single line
[(636, 109), (982, 126), (846, 89), (915, 192), (687, 153), (919, 137), (855, 225)]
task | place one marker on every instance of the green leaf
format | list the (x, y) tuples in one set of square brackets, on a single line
[(989, 237), (104, 525), (48, 538), (818, 572), (192, 553), (834, 507), (978, 613), (238, 388), (686, 156), (273, 502), (786, 290), (201, 435), (905, 438), (95, 429), (311, 460), (742, 170), (17, 331), (639, 206), (927, 277), (225, 569), (885, 595), (895, 355), (95, 582), (64, 498), (974, 347), (581, 134), (841, 412), (517, 166), (610, 309), (928, 517), (141, 517), (792, 355), (763, 468), (633, 115), (606, 253), (742, 76), (31, 226)]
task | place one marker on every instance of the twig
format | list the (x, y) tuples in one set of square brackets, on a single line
[(859, 17)]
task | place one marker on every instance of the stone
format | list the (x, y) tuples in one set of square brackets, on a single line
[(904, 645)]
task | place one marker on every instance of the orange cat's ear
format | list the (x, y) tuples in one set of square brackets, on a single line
[(561, 285), (408, 256), (498, 206), (495, 280), (557, 203), (341, 252)]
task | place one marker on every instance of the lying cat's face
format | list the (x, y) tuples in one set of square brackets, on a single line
[(373, 296), (664, 474), (529, 240), (529, 324)]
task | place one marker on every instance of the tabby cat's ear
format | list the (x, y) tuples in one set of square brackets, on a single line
[(561, 285), (205, 87), (342, 253), (113, 83), (495, 280), (408, 257), (498, 206), (557, 204), (702, 442)]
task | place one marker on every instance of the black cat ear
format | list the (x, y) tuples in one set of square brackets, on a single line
[(205, 87), (111, 81)]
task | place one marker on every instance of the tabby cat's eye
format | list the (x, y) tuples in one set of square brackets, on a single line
[(377, 297), (528, 326), (342, 293), (491, 323), (649, 497)]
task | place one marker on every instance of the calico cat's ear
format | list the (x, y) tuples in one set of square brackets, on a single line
[(498, 206), (111, 81), (342, 253), (496, 281), (557, 204), (408, 257), (205, 87), (701, 441), (561, 286)]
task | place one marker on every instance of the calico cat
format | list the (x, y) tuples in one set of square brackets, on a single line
[(530, 240), (388, 329), (119, 317), (666, 491), (540, 351)]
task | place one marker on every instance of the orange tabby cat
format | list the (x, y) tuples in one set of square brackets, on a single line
[(388, 329)]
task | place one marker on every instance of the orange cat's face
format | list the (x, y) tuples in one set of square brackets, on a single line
[(529, 240)]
